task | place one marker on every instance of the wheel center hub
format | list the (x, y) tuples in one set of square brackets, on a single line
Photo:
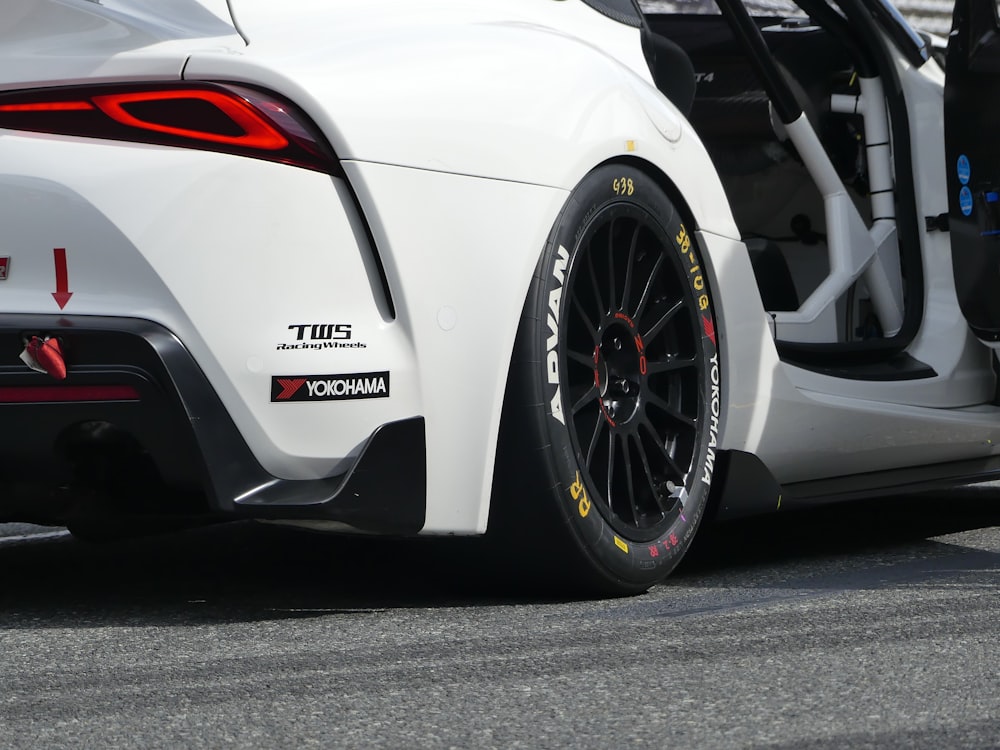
[(619, 369)]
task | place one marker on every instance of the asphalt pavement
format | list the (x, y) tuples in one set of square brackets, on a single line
[(866, 625)]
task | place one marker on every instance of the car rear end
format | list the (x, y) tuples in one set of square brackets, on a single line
[(199, 263)]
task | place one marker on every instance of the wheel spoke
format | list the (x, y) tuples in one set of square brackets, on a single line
[(665, 504), (654, 400), (595, 437), (665, 507), (670, 365), (611, 266), (647, 291), (601, 309), (662, 450), (644, 460), (664, 319), (627, 292), (587, 360), (585, 399), (612, 446), (578, 307), (630, 487)]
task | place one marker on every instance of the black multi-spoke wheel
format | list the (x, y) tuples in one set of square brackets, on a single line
[(618, 347), (633, 370)]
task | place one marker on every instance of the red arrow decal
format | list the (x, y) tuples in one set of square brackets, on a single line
[(288, 387), (709, 326), (62, 292)]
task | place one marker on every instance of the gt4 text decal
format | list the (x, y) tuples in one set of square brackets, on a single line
[(330, 387)]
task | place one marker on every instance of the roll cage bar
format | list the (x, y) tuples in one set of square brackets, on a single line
[(855, 250)]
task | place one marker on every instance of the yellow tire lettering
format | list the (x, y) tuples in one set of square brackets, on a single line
[(623, 186), (621, 545), (578, 492), (683, 240)]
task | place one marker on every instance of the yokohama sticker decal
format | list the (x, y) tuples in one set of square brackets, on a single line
[(330, 387)]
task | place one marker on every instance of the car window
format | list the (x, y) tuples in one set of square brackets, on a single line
[(622, 11), (769, 8)]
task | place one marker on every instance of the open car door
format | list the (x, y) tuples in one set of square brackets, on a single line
[(972, 145)]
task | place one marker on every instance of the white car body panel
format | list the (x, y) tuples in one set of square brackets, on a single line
[(581, 109), (114, 41), (206, 271), (449, 319), (450, 138), (802, 433)]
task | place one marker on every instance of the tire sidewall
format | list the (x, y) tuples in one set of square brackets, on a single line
[(624, 560)]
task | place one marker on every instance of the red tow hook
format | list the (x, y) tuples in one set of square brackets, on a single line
[(45, 355)]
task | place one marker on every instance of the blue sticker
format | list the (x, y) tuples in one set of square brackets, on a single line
[(964, 169), (965, 201)]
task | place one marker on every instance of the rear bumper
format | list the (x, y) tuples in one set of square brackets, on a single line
[(168, 443)]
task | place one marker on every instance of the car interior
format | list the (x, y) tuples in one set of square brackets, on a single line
[(804, 118)]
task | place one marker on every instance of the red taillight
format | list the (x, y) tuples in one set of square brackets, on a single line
[(50, 394), (46, 107), (213, 117), (257, 131)]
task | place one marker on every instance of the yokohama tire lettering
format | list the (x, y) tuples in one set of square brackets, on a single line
[(713, 421)]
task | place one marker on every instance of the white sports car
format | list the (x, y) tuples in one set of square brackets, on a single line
[(569, 272)]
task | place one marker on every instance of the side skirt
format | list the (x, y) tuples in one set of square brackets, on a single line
[(748, 488)]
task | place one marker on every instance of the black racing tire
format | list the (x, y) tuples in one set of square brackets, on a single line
[(612, 415)]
